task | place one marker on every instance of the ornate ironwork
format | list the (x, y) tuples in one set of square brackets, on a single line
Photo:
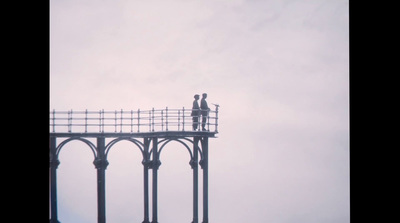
[(149, 130)]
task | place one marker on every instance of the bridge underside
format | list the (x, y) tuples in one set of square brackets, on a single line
[(151, 145), (150, 131)]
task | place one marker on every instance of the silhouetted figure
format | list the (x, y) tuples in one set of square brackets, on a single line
[(195, 112), (204, 111)]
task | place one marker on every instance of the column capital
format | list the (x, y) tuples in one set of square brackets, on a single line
[(193, 163), (154, 164), (146, 163), (202, 163), (100, 163), (54, 163)]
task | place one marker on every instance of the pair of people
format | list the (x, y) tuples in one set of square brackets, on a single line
[(197, 111)]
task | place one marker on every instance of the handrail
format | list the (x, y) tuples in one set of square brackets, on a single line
[(129, 121)]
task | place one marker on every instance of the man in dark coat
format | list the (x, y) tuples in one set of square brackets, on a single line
[(195, 112), (204, 111)]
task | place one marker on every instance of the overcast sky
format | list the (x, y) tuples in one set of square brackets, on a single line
[(279, 70)]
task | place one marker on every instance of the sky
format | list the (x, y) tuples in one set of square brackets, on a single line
[(279, 69)]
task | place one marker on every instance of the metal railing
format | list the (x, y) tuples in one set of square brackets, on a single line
[(129, 121)]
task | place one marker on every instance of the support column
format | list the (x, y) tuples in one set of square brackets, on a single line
[(155, 164), (204, 165), (194, 164), (54, 162), (101, 164), (146, 165)]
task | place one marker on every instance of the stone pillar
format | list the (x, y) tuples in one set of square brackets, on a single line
[(101, 164), (54, 162)]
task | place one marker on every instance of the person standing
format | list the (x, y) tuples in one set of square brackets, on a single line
[(195, 112), (204, 111)]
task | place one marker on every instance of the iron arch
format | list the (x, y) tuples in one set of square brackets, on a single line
[(87, 142), (165, 142), (139, 144)]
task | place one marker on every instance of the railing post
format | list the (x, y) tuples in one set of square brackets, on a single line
[(99, 120), (54, 120), (151, 117), (208, 119), (138, 120), (102, 120), (120, 130), (70, 121), (131, 121), (166, 119), (183, 119), (115, 121), (86, 120), (162, 120), (179, 119), (216, 119)]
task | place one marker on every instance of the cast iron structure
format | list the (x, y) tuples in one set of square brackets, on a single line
[(149, 130)]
